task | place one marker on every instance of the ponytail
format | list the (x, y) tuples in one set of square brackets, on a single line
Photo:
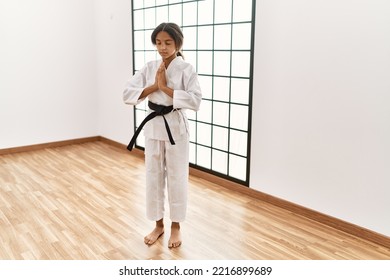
[(180, 53)]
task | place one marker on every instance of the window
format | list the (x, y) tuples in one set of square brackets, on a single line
[(218, 42)]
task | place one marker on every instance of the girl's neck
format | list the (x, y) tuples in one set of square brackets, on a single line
[(168, 60)]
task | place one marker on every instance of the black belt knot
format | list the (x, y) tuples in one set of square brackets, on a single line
[(158, 110)]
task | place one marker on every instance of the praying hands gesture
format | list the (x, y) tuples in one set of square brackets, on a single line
[(161, 80), (160, 83)]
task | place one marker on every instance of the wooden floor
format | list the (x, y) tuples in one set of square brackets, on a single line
[(86, 202)]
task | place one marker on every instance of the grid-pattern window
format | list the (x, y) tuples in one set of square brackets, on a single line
[(218, 42)]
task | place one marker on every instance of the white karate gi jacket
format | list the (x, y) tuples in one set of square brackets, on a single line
[(183, 79)]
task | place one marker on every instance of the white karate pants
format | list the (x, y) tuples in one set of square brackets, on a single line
[(166, 171)]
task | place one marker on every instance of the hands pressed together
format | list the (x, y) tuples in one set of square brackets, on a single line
[(161, 81)]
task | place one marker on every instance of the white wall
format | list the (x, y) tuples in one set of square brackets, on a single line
[(321, 107), (114, 58), (47, 71)]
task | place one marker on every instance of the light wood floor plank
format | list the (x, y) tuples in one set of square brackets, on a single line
[(86, 202)]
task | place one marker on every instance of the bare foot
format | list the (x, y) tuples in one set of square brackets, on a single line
[(175, 239), (152, 237)]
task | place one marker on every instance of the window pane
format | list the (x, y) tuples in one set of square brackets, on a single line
[(148, 41), (140, 116), (204, 62), (242, 10), (223, 11), (189, 38), (175, 14), (192, 154), (242, 36), (220, 138), (222, 63), (139, 60), (150, 16), (203, 156), (237, 167), (203, 132), (240, 91), (222, 37), (161, 14), (190, 13), (138, 19), (221, 114), (205, 38), (204, 115), (206, 85), (207, 12), (140, 141), (238, 142), (241, 64), (220, 161), (221, 88), (191, 114), (190, 57), (138, 4), (139, 40), (239, 117), (192, 127), (149, 3)]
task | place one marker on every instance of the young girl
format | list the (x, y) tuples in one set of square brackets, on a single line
[(171, 86)]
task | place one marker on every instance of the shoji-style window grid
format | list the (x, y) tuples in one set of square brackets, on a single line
[(218, 42)]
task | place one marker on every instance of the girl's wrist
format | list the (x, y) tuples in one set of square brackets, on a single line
[(167, 90), (155, 87)]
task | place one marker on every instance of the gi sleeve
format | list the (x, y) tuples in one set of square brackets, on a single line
[(191, 96), (134, 88)]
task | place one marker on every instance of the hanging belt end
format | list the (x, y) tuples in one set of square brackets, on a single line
[(130, 146)]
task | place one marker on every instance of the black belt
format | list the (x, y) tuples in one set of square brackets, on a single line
[(158, 110)]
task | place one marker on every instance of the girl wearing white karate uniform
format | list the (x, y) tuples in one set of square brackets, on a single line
[(171, 86)]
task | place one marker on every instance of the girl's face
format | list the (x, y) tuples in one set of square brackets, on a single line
[(166, 46)]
